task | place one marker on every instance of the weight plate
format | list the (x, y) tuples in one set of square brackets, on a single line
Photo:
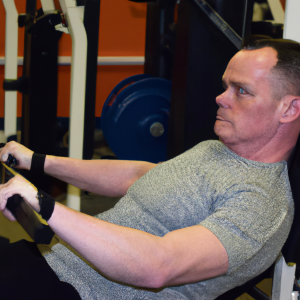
[(136, 125), (116, 95)]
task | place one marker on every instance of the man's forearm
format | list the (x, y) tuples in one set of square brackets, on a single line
[(129, 255), (105, 177), (138, 258), (123, 254)]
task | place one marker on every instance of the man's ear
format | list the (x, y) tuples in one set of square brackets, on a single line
[(290, 109)]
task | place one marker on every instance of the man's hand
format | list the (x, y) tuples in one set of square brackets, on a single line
[(18, 186), (21, 153)]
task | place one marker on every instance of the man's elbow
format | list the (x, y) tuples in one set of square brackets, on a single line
[(137, 173), (157, 274), (154, 280)]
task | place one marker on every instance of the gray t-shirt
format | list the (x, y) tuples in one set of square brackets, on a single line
[(248, 205)]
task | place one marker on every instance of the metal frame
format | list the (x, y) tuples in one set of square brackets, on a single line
[(291, 23), (204, 45), (74, 17), (91, 25), (160, 36), (40, 54), (48, 6), (277, 11), (11, 67)]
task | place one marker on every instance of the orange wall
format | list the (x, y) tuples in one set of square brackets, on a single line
[(107, 79), (122, 33)]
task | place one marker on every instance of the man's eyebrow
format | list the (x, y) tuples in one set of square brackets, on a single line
[(237, 83)]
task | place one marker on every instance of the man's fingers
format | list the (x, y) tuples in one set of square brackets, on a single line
[(3, 202), (4, 157), (19, 186), (22, 154), (7, 214)]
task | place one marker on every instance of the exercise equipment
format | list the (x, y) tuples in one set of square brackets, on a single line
[(43, 28), (205, 43), (11, 67), (32, 223), (135, 117), (160, 38), (291, 23), (82, 22), (38, 83), (74, 21)]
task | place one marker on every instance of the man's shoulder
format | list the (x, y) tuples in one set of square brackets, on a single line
[(209, 148), (213, 144)]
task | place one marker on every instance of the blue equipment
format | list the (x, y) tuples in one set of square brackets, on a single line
[(135, 118)]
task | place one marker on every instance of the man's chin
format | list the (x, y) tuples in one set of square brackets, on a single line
[(221, 132)]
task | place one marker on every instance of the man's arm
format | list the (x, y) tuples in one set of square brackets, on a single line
[(138, 258), (105, 177), (128, 255)]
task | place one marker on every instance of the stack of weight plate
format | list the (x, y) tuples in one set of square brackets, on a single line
[(135, 117)]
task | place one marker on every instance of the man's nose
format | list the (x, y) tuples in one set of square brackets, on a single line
[(222, 100)]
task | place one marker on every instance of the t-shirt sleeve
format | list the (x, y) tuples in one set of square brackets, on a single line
[(244, 223)]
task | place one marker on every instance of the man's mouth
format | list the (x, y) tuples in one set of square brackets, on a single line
[(220, 118)]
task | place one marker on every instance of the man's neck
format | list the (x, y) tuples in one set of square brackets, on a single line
[(275, 150)]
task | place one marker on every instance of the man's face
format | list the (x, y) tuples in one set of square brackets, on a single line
[(248, 114)]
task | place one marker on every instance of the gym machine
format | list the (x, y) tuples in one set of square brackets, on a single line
[(204, 45), (81, 54), (128, 128), (11, 67), (37, 86), (291, 24), (42, 33), (135, 115)]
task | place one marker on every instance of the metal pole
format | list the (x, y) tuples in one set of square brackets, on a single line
[(74, 17), (11, 67), (291, 23)]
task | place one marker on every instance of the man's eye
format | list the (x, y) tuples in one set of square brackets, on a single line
[(242, 91)]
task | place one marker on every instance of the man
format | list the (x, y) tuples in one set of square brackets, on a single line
[(199, 224)]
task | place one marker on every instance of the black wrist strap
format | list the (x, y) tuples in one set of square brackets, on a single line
[(47, 204), (37, 164)]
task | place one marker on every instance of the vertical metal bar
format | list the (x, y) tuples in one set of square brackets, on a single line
[(30, 11), (48, 5), (159, 38), (91, 24), (248, 14), (11, 67), (78, 86), (291, 23), (277, 11)]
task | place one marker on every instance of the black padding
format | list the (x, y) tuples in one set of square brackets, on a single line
[(25, 274), (40, 233), (3, 242), (247, 287), (37, 164), (291, 248), (47, 204)]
